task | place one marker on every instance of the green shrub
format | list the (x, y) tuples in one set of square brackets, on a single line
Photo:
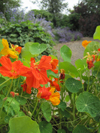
[(19, 34)]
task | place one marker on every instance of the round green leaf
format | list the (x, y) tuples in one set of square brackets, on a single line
[(46, 109), (80, 129), (36, 48), (69, 68), (87, 102), (66, 53), (73, 85), (23, 124), (96, 35), (45, 127)]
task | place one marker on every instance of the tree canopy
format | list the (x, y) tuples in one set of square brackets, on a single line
[(4, 4)]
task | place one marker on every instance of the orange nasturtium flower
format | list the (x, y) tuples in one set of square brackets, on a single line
[(85, 43), (12, 52), (12, 69), (37, 74)]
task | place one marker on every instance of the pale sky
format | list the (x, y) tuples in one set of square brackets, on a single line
[(29, 5)]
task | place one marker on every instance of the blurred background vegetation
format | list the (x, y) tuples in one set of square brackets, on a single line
[(76, 23)]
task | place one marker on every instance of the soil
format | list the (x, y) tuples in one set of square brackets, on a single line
[(76, 48)]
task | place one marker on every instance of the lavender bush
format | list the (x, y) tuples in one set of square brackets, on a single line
[(66, 35)]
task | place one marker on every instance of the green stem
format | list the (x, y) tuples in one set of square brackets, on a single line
[(73, 106), (34, 108), (37, 112), (88, 75), (4, 82)]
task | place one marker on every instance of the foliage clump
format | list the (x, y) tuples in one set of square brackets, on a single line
[(24, 32)]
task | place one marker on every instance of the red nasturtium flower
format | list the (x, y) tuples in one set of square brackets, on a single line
[(16, 48), (90, 61), (12, 69), (85, 43), (26, 88), (55, 84), (37, 74), (99, 49), (43, 93), (54, 64)]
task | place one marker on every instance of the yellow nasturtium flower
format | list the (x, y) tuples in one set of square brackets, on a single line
[(9, 51)]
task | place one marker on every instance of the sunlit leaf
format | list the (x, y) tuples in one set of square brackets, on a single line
[(23, 124), (66, 53), (96, 35)]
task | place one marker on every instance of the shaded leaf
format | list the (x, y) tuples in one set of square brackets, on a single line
[(73, 85), (81, 129), (87, 102), (45, 127), (46, 109)]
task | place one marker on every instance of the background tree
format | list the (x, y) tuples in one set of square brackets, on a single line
[(55, 7), (89, 16)]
